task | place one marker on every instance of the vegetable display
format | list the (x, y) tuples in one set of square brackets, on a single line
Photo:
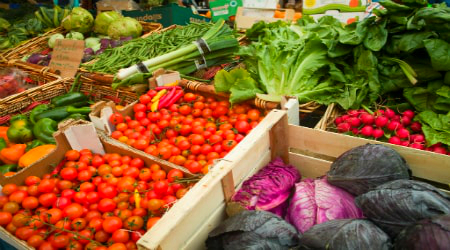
[(365, 167), (345, 234), (79, 20), (185, 128), (316, 201), (401, 203), (79, 205), (253, 230)]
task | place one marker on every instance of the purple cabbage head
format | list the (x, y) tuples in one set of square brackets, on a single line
[(316, 201), (268, 189)]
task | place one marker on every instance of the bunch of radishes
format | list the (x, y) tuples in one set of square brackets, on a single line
[(386, 125)]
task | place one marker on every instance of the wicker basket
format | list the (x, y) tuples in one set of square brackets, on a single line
[(328, 118), (204, 88), (107, 79), (38, 44), (20, 103)]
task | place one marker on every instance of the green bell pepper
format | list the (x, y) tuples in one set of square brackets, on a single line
[(3, 144), (32, 144), (20, 130), (44, 129), (59, 113), (8, 168), (39, 109)]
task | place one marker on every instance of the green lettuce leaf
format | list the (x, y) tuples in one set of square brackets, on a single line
[(436, 127), (439, 51)]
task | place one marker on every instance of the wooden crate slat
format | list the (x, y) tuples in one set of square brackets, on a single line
[(309, 166)]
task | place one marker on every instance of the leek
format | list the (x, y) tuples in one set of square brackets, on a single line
[(219, 37)]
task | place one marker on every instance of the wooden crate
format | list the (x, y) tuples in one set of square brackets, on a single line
[(48, 163), (311, 151)]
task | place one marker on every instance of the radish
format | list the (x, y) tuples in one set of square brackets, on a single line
[(345, 117), (396, 118), (389, 113), (404, 143), (419, 138), (440, 150), (379, 112), (406, 120), (394, 140), (353, 113), (416, 126), (343, 127), (402, 133), (355, 122), (393, 125), (377, 133), (417, 146), (367, 119), (338, 120), (355, 131), (409, 113), (381, 121), (367, 130)]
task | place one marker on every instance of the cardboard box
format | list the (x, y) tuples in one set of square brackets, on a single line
[(47, 164), (224, 9), (344, 17), (246, 17), (312, 7), (167, 15), (117, 5)]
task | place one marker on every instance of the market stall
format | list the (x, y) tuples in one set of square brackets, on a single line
[(208, 125)]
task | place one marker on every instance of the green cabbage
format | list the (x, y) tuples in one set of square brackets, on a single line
[(79, 20), (104, 19), (124, 27), (52, 39)]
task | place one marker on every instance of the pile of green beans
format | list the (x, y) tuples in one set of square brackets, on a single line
[(141, 49)]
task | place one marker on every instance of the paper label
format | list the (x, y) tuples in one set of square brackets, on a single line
[(66, 57), (84, 137), (262, 4)]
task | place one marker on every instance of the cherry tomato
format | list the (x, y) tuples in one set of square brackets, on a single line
[(73, 211), (106, 205), (112, 224), (116, 118)]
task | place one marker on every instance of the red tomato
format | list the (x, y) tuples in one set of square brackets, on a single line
[(112, 224), (92, 197), (116, 118), (62, 202), (139, 107), (18, 196), (137, 162), (32, 180), (84, 175), (46, 186), (228, 145), (87, 187), (106, 205), (73, 211), (46, 200), (120, 236), (96, 223), (145, 98)]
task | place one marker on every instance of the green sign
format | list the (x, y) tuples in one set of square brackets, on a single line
[(167, 15), (224, 8)]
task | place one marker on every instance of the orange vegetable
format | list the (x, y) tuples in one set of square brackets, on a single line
[(279, 14), (35, 154), (12, 154), (297, 16), (3, 135), (354, 3)]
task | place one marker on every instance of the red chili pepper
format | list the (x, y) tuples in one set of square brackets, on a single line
[(5, 119), (175, 98), (167, 87), (166, 98), (46, 51), (33, 105), (58, 167)]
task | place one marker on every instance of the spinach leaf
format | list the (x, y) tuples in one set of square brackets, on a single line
[(439, 51), (423, 98), (394, 7), (376, 36), (409, 42), (436, 127), (447, 78)]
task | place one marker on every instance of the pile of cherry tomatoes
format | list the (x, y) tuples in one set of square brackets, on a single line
[(90, 201), (192, 132)]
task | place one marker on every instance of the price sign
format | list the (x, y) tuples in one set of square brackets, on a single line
[(66, 57)]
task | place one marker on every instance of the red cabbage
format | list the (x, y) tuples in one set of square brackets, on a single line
[(316, 201), (269, 188)]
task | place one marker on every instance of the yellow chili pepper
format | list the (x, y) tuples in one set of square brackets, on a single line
[(159, 95), (137, 198), (154, 106), (172, 84)]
